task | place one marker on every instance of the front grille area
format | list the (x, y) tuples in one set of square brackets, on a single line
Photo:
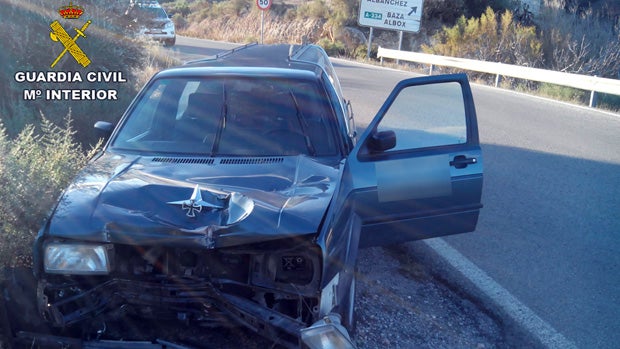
[(187, 287), (142, 262)]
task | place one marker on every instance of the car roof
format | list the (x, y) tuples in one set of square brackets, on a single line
[(235, 72), (310, 58), (147, 4)]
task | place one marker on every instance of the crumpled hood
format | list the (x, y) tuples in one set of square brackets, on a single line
[(206, 202)]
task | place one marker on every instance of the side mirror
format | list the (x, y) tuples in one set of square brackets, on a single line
[(104, 129), (382, 141)]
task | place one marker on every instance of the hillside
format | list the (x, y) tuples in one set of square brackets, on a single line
[(31, 49)]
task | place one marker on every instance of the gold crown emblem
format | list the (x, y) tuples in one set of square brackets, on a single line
[(71, 12)]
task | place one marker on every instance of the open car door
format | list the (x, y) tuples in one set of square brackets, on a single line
[(417, 169)]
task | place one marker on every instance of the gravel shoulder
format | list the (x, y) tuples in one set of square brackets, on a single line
[(401, 304)]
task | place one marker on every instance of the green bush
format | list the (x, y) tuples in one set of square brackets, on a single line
[(333, 48), (563, 93), (361, 51), (34, 168), (489, 38)]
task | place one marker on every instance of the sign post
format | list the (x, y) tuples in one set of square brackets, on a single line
[(263, 5), (399, 15)]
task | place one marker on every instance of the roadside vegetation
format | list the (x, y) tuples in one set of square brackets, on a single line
[(34, 168), (44, 143)]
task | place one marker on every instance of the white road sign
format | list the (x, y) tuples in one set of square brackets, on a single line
[(401, 15), (263, 5)]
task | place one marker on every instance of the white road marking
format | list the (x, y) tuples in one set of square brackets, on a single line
[(519, 312)]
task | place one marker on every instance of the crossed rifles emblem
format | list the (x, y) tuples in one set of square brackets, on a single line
[(60, 34)]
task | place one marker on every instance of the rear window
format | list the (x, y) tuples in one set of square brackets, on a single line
[(231, 117)]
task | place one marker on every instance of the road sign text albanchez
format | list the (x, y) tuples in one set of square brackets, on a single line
[(401, 15)]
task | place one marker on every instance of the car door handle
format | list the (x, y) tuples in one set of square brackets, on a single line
[(461, 161)]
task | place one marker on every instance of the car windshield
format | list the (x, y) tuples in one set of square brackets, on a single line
[(152, 12), (230, 117)]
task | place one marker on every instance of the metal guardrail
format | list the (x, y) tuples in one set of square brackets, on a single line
[(583, 82)]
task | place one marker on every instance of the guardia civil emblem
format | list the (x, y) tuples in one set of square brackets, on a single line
[(59, 34)]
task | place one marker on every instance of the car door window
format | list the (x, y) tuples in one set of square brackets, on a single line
[(427, 116), (417, 170)]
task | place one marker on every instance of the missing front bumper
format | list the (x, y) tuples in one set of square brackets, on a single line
[(186, 302)]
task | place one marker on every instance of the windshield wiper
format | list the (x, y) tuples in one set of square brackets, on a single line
[(303, 125)]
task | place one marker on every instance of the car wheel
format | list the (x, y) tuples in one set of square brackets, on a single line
[(348, 308), (170, 42)]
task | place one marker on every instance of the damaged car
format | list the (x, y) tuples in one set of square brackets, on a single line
[(235, 191)]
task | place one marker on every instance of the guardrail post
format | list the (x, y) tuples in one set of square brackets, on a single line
[(593, 99), (498, 78), (430, 71), (400, 43), (370, 45)]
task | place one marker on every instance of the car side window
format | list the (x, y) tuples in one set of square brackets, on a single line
[(426, 116)]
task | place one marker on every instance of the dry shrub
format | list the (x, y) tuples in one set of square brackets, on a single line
[(247, 29), (583, 43), (492, 37), (154, 58), (34, 168)]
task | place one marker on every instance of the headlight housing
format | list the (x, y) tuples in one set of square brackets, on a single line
[(76, 258), (327, 333), (293, 266)]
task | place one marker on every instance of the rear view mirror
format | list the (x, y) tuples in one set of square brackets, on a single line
[(382, 141), (104, 129)]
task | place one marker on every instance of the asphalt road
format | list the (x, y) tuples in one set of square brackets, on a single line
[(549, 230), (548, 234)]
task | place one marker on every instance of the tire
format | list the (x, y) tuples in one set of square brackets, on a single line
[(170, 42)]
